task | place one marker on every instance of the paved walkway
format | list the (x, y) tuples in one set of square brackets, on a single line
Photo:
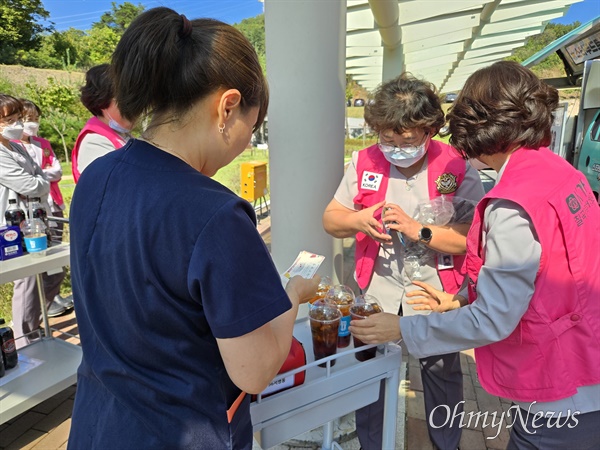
[(46, 426)]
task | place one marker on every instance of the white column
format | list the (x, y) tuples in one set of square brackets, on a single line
[(305, 43), (393, 63)]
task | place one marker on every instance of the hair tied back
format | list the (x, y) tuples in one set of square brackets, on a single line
[(186, 27)]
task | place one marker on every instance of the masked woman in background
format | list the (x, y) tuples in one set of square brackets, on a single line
[(107, 130), (22, 178)]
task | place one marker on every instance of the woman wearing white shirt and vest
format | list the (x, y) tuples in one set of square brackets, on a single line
[(20, 178), (41, 151), (106, 131), (531, 307), (405, 169)]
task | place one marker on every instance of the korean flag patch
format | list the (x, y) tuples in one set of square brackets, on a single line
[(371, 181)]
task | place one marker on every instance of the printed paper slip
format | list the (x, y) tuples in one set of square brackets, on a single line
[(305, 265)]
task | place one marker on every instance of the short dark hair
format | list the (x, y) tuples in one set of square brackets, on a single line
[(165, 63), (403, 103), (501, 107), (29, 107), (98, 91), (9, 105)]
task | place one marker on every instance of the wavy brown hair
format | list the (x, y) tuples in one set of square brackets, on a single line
[(403, 103), (502, 107), (98, 90)]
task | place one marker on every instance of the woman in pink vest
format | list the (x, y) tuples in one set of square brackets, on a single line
[(107, 130), (41, 152), (405, 169), (532, 304)]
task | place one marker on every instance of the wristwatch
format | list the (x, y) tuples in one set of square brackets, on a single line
[(425, 235)]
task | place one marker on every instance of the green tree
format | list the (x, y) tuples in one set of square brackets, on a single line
[(20, 29), (101, 43), (57, 50), (119, 17), (254, 30), (62, 111), (552, 65)]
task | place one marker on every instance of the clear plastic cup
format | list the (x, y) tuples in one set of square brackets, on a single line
[(343, 297), (324, 323), (322, 290), (363, 307), (34, 233)]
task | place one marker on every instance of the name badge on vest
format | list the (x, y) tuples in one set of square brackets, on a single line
[(371, 181)]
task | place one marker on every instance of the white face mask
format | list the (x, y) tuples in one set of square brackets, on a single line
[(403, 156), (13, 132), (116, 125), (31, 128)]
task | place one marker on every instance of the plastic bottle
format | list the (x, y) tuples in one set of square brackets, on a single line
[(10, 357), (39, 212), (34, 233), (15, 216)]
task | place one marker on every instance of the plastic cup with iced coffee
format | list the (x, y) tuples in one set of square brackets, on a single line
[(322, 289), (343, 297), (363, 307), (34, 233), (324, 323)]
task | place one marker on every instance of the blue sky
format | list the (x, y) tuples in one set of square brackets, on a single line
[(82, 13)]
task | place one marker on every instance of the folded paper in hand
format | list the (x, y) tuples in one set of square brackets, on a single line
[(305, 265)]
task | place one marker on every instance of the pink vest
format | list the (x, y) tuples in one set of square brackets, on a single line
[(445, 172), (48, 158), (94, 125), (555, 348)]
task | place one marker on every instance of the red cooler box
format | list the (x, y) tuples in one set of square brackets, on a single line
[(295, 359)]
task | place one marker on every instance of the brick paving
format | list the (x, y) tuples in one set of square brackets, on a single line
[(46, 426)]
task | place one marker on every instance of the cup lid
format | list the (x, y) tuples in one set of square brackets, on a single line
[(340, 295), (324, 310)]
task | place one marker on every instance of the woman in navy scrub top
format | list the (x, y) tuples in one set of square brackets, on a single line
[(179, 305)]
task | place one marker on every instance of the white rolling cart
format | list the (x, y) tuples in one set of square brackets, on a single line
[(56, 361), (329, 393)]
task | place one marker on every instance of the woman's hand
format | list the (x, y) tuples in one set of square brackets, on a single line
[(430, 299), (342, 222), (396, 219), (369, 225), (303, 288), (377, 329)]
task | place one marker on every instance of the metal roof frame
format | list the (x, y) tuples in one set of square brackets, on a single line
[(440, 41)]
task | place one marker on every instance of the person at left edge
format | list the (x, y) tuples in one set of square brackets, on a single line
[(179, 305), (21, 177)]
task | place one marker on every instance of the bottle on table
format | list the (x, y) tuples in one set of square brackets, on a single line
[(39, 212), (10, 358), (15, 216)]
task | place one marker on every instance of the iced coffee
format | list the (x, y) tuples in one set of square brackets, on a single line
[(322, 289), (324, 323), (365, 306)]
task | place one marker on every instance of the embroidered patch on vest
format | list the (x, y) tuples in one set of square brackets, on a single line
[(371, 181), (46, 152), (446, 183)]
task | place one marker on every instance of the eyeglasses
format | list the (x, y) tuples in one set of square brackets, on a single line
[(388, 148)]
